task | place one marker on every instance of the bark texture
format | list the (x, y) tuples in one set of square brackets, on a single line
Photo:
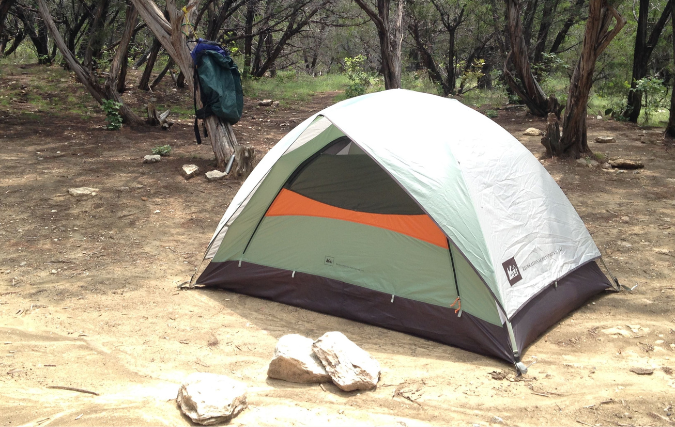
[(644, 45), (527, 88), (597, 37), (390, 33), (670, 128)]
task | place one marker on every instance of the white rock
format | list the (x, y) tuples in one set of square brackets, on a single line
[(189, 171), (533, 132), (616, 331), (215, 175), (210, 398), (599, 117), (295, 361), (349, 366), (265, 102), (582, 162), (592, 164), (605, 140), (82, 191), (152, 158)]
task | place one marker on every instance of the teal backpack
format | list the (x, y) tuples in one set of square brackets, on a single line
[(219, 84)]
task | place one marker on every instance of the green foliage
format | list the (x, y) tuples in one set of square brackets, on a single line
[(162, 150), (654, 94), (469, 79), (360, 80), (493, 114), (112, 114), (294, 86)]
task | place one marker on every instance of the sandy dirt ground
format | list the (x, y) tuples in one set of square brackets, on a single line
[(89, 297)]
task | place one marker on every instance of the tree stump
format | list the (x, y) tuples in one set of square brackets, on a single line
[(551, 139), (243, 161)]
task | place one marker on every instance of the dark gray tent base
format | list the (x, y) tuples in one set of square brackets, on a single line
[(413, 317)]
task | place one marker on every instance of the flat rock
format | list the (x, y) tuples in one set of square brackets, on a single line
[(152, 158), (605, 140), (189, 171), (349, 366), (295, 361), (265, 102), (616, 331), (215, 175), (626, 164), (82, 191), (642, 371), (533, 132), (210, 398)]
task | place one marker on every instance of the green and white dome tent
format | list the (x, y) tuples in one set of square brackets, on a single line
[(411, 212)]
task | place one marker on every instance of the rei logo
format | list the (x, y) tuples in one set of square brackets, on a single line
[(512, 271)]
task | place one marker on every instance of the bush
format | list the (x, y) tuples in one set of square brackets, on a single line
[(493, 114), (112, 114), (162, 150), (359, 79)]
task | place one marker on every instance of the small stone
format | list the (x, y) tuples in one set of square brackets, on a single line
[(642, 371), (605, 139), (295, 361), (626, 164), (275, 104), (349, 366), (210, 398), (599, 117), (625, 218), (662, 251), (533, 132), (582, 162), (497, 420), (189, 171), (265, 103), (592, 164), (53, 272), (657, 342), (215, 175), (82, 191), (144, 198), (607, 166), (122, 189), (152, 158)]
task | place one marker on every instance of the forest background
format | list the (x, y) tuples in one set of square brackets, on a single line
[(493, 52)]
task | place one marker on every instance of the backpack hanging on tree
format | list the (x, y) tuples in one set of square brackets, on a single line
[(219, 84)]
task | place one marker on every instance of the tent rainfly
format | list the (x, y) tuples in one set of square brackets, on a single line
[(411, 212)]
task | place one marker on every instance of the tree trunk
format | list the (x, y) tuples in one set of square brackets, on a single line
[(4, 11), (548, 13), (641, 54), (670, 129), (248, 33), (391, 38), (596, 38), (118, 62), (161, 74), (528, 90), (123, 47), (95, 36), (99, 93), (170, 35), (144, 83), (571, 20)]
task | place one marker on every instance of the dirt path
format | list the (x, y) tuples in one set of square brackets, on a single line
[(89, 299)]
